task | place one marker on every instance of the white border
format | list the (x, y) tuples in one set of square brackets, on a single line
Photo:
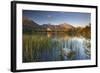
[(38, 65)]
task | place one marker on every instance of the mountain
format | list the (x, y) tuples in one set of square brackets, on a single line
[(66, 26), (29, 25), (60, 27), (48, 26)]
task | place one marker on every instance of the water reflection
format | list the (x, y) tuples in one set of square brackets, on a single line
[(51, 46)]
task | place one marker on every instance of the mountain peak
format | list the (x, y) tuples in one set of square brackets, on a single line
[(66, 25)]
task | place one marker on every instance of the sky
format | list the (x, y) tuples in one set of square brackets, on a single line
[(57, 17)]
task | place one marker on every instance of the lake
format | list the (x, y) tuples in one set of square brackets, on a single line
[(55, 46)]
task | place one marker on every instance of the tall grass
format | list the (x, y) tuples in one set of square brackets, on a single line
[(39, 47), (33, 46)]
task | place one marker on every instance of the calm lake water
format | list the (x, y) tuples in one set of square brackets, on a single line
[(54, 46)]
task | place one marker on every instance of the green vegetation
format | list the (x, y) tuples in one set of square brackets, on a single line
[(33, 46), (79, 31)]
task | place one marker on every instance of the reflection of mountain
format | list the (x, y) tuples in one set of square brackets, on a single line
[(30, 26)]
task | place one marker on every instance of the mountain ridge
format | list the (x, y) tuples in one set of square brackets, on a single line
[(31, 25)]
